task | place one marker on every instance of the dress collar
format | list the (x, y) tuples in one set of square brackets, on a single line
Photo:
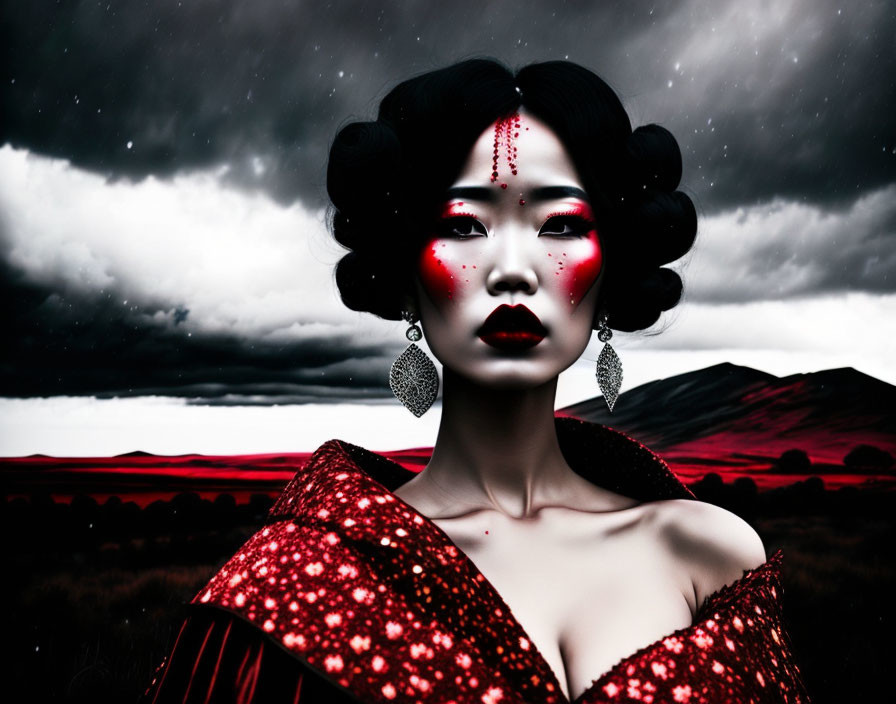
[(344, 497), (605, 457), (349, 490)]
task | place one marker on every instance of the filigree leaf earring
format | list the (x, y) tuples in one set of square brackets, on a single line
[(413, 377), (609, 368)]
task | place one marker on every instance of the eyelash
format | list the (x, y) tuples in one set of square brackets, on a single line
[(449, 222), (580, 225)]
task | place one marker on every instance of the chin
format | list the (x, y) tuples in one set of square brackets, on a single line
[(509, 374)]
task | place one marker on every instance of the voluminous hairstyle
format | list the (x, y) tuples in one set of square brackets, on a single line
[(386, 179)]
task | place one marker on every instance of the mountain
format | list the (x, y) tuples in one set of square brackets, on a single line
[(739, 412)]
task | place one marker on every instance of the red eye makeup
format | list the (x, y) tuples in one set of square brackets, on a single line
[(455, 209)]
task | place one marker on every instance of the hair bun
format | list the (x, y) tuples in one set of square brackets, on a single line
[(654, 159), (365, 285), (666, 224), (363, 168), (637, 303)]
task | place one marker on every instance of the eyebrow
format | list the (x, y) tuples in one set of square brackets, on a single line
[(489, 195)]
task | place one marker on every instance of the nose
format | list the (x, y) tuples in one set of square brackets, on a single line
[(512, 270)]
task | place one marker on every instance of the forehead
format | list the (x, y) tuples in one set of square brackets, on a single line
[(538, 154)]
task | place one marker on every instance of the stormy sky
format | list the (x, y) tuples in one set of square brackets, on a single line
[(162, 203)]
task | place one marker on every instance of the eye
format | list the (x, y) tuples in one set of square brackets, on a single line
[(566, 226), (461, 227)]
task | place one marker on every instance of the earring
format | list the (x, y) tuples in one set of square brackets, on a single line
[(413, 377), (609, 368)]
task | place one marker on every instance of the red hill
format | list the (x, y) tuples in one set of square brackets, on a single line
[(737, 420)]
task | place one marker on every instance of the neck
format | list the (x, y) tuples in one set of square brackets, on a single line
[(497, 449)]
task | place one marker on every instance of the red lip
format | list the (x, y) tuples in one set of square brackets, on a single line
[(512, 328)]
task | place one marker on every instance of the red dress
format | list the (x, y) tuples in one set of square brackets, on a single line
[(349, 594)]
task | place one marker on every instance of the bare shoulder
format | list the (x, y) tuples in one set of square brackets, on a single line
[(713, 544)]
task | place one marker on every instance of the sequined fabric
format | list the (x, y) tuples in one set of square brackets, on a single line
[(371, 599)]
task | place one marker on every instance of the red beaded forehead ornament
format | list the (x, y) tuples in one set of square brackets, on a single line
[(507, 130)]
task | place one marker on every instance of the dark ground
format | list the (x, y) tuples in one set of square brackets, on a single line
[(95, 593)]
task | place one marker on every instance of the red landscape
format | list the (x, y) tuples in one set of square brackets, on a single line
[(144, 478), (109, 548), (729, 420)]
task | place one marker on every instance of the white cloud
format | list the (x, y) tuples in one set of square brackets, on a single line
[(239, 262), (784, 249), (857, 323)]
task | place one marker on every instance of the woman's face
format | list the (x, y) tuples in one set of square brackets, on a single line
[(507, 284)]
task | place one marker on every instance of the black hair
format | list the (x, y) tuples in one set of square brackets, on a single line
[(386, 177)]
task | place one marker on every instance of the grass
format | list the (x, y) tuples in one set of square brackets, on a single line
[(839, 586)]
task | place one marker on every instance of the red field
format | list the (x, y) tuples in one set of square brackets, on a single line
[(730, 420), (144, 478)]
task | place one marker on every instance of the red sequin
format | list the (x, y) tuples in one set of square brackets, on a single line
[(375, 598)]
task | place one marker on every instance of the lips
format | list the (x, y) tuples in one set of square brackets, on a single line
[(512, 329)]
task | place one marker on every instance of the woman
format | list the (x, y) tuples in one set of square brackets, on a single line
[(532, 560)]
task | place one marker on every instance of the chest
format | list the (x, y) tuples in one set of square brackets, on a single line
[(588, 591)]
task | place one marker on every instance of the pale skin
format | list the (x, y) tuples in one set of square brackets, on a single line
[(591, 575)]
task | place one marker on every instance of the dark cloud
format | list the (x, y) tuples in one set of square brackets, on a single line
[(80, 343), (801, 95), (805, 115), (789, 104), (859, 254)]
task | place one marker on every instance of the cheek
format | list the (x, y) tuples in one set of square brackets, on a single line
[(441, 271), (578, 266)]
